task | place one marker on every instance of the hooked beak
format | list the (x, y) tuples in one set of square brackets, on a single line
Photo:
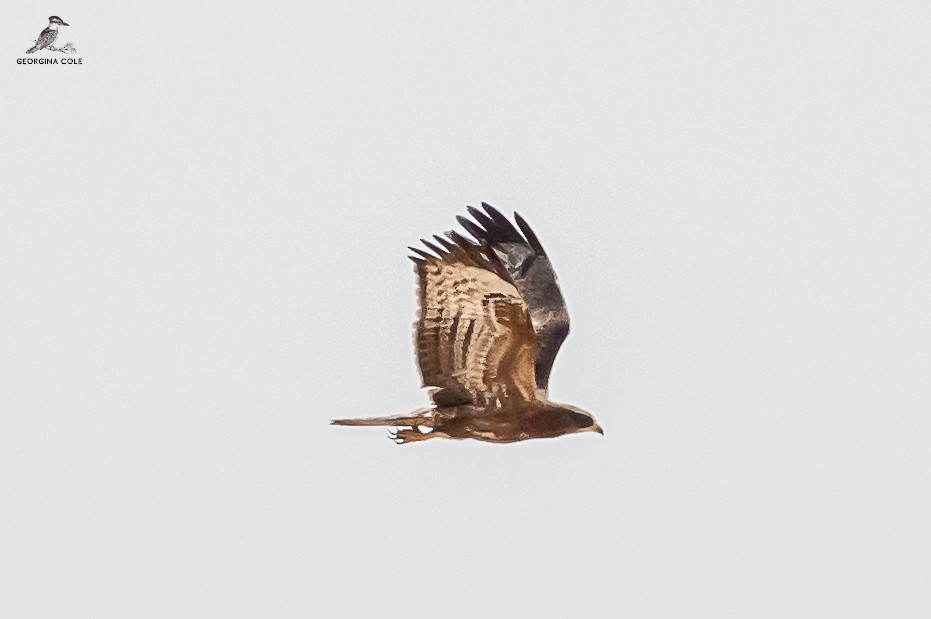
[(599, 430)]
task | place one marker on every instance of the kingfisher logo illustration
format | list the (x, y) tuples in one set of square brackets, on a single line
[(45, 42), (49, 36)]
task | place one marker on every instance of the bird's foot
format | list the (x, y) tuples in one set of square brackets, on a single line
[(411, 436)]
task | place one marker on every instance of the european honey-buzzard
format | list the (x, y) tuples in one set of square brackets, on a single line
[(491, 320)]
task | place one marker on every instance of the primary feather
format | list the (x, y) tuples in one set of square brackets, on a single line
[(531, 272)]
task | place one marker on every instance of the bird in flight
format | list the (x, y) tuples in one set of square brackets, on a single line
[(491, 321)]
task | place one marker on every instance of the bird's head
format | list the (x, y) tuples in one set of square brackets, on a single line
[(55, 19), (581, 421)]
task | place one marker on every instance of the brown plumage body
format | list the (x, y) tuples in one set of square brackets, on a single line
[(491, 321), (515, 421)]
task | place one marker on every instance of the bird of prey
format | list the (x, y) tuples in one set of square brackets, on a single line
[(47, 36), (491, 321)]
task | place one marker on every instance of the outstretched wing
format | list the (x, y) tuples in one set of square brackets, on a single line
[(532, 273), (475, 342)]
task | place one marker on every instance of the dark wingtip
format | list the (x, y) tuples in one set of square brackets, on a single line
[(421, 253), (501, 229), (484, 220), (476, 231), (531, 237), (445, 242), (439, 252), (459, 240), (492, 211)]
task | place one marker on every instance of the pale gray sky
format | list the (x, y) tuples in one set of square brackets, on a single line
[(202, 259)]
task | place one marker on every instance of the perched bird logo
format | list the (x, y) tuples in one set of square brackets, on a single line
[(48, 36), (491, 320)]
